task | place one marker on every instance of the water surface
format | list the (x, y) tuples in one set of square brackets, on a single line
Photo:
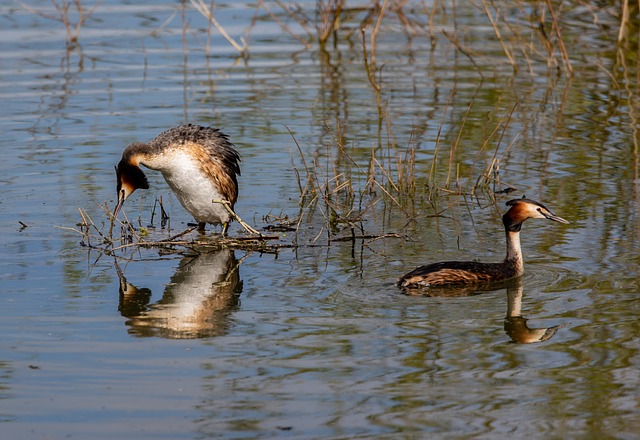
[(315, 341)]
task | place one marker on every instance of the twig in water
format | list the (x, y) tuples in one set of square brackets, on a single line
[(563, 49), (309, 185), (283, 25), (62, 9), (465, 51), (371, 237), (624, 23), (202, 8), (185, 232), (87, 221), (227, 206), (505, 49), (164, 217), (329, 13)]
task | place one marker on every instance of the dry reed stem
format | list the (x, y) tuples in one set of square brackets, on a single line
[(471, 190), (384, 190), (624, 22), (375, 163), (370, 69), (336, 189), (454, 148), (299, 18), (63, 17), (374, 34), (370, 63), (486, 175), (87, 220), (432, 14), (465, 51), (433, 171), (330, 13), (309, 183), (333, 14), (492, 165), (563, 49), (127, 231), (496, 29), (372, 181), (236, 217), (283, 26), (207, 12), (630, 87)]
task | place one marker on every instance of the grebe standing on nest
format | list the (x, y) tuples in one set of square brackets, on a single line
[(451, 273), (199, 164)]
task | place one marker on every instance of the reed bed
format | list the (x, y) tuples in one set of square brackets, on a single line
[(332, 22), (338, 21), (344, 193), (347, 195)]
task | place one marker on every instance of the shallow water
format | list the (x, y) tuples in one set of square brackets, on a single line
[(316, 341)]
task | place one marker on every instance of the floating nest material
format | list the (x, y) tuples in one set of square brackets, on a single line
[(273, 237)]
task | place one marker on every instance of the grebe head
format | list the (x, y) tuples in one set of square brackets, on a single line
[(129, 176), (522, 209)]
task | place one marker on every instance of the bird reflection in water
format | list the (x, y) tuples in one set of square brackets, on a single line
[(196, 303), (453, 291), (515, 325)]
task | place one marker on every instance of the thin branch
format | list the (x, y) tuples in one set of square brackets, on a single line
[(236, 217), (201, 7)]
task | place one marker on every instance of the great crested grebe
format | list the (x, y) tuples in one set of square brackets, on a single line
[(199, 164), (450, 273)]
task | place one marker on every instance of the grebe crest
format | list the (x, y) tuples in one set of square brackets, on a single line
[(199, 164), (450, 273)]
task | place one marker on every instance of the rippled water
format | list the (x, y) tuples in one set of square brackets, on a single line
[(315, 341)]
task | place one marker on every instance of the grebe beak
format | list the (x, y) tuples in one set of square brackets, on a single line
[(551, 216), (121, 198)]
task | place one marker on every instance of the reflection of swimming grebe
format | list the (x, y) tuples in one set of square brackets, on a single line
[(199, 164), (471, 272), (515, 325)]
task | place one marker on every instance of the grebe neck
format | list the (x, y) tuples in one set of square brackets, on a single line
[(514, 252)]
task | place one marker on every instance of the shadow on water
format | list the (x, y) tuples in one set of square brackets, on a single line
[(196, 303)]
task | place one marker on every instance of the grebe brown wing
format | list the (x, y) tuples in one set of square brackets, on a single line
[(214, 141), (216, 155)]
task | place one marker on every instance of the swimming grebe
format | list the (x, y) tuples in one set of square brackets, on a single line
[(449, 273), (199, 164)]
